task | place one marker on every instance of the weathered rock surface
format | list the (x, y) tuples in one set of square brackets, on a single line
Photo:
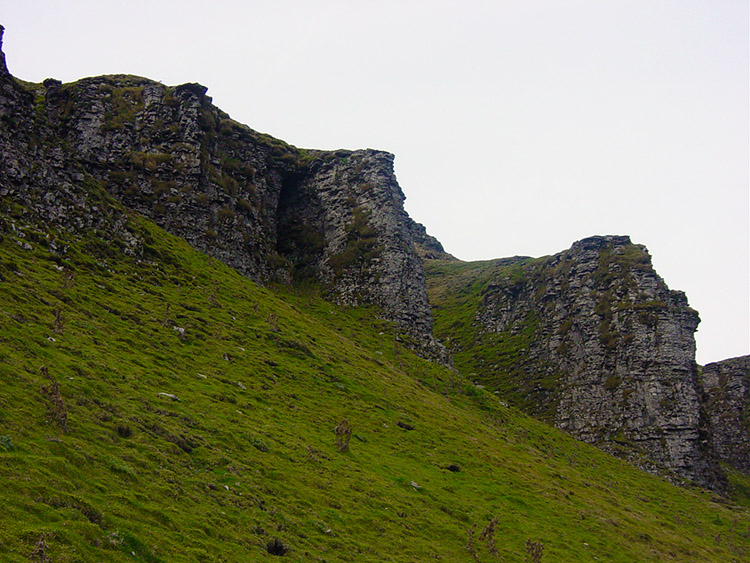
[(726, 388), (344, 222), (268, 209), (427, 246), (592, 340)]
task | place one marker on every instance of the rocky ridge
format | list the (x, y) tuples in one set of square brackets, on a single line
[(592, 340), (266, 208)]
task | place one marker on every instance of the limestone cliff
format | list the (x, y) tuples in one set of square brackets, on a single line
[(344, 223), (268, 209), (726, 388), (592, 340)]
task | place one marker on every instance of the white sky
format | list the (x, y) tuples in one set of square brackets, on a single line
[(518, 126)]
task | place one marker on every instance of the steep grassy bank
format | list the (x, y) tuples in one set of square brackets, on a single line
[(497, 360), (171, 410)]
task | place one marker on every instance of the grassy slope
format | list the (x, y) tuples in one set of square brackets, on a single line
[(495, 360), (260, 370)]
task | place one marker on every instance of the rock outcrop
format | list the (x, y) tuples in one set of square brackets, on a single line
[(726, 388), (592, 340), (264, 207), (345, 222), (427, 246)]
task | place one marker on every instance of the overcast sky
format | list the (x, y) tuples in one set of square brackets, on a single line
[(518, 126)]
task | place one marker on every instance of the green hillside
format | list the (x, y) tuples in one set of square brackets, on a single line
[(171, 410), (456, 291)]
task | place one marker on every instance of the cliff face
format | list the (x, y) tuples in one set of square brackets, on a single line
[(726, 388), (344, 223), (593, 340), (590, 339), (268, 209)]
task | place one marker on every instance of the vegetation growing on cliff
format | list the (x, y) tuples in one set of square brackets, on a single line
[(362, 244), (498, 359), (591, 340)]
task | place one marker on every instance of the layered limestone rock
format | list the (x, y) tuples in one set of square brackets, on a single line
[(268, 209), (344, 223), (39, 183), (726, 388), (593, 340), (427, 246)]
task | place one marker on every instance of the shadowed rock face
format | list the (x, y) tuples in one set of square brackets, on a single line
[(268, 209), (726, 388), (619, 346)]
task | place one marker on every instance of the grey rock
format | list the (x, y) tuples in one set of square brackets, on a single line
[(726, 393), (609, 353), (427, 246)]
